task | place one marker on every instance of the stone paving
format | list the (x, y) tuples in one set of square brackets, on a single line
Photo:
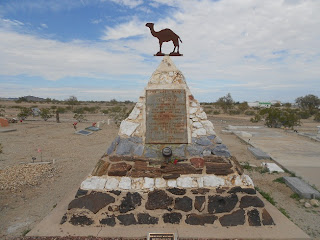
[(295, 153)]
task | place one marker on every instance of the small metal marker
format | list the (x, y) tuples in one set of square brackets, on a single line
[(166, 152), (161, 236)]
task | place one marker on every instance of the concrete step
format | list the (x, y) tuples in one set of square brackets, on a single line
[(300, 187)]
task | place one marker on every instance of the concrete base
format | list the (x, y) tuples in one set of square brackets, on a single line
[(300, 187), (284, 228), (258, 153)]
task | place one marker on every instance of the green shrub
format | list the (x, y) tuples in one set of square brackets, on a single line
[(61, 110), (234, 112), (276, 118), (279, 180), (255, 119), (45, 114), (24, 113), (284, 212), (249, 113), (215, 112), (266, 195), (105, 111), (295, 196), (317, 117), (304, 114), (79, 111), (79, 117), (2, 111)]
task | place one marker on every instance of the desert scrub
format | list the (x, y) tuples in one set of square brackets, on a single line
[(1, 148), (295, 196), (247, 166), (284, 212), (279, 180)]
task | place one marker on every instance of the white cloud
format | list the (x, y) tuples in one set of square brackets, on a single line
[(43, 25), (128, 3)]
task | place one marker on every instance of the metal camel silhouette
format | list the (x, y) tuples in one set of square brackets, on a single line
[(166, 35)]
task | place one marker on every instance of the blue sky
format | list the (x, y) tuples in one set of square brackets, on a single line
[(100, 49)]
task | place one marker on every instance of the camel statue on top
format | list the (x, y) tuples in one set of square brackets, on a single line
[(165, 35)]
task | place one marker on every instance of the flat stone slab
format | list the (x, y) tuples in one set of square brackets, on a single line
[(300, 187), (258, 153), (272, 167), (3, 130)]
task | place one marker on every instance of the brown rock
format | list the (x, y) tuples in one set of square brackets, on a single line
[(180, 168), (202, 191), (234, 219), (118, 158), (220, 204), (119, 169), (251, 201), (101, 168), (238, 167), (140, 165), (266, 218), (158, 199), (195, 219), (219, 168), (148, 172), (197, 162), (254, 218), (171, 176), (183, 204), (199, 203), (93, 202), (216, 159)]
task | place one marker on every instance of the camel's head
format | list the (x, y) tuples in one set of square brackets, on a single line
[(149, 25)]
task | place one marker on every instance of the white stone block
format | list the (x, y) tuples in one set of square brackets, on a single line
[(125, 183), (172, 183), (194, 135), (137, 183), (193, 110), (195, 119), (148, 183), (194, 104), (127, 128), (112, 184), (192, 116), (272, 167), (139, 105), (185, 182), (160, 183), (201, 131), (245, 134), (247, 181), (194, 183), (206, 153), (200, 182), (202, 115), (213, 181), (93, 183), (197, 124), (134, 114), (207, 123)]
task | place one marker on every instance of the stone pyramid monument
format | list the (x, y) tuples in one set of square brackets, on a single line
[(167, 166)]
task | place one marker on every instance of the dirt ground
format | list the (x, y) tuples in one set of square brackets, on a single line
[(75, 156)]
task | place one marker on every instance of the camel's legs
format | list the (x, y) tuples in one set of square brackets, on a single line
[(160, 43)]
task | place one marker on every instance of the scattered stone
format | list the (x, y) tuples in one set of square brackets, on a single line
[(125, 183), (145, 218), (206, 152), (63, 219), (127, 219), (80, 220), (307, 205), (115, 192), (93, 202), (197, 125), (147, 172), (218, 140), (119, 169), (158, 199), (302, 200), (211, 137), (101, 168), (300, 187), (183, 204), (202, 191), (314, 202), (199, 203), (112, 183), (173, 218), (234, 219), (81, 193), (242, 190), (130, 202), (254, 218), (140, 165), (272, 167), (203, 141), (220, 204), (202, 115), (177, 191), (251, 201), (109, 220), (195, 219), (258, 153), (219, 168), (266, 218), (171, 176), (200, 132)]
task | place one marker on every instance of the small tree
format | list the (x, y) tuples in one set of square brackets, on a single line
[(24, 113), (309, 102), (71, 101), (45, 114), (276, 118), (79, 117), (243, 106), (225, 102)]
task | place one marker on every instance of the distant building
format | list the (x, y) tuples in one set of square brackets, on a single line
[(259, 104)]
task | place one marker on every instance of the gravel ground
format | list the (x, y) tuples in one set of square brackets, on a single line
[(24, 203)]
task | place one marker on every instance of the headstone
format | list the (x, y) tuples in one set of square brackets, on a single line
[(300, 187)]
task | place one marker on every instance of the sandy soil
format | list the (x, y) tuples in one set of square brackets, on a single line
[(76, 155)]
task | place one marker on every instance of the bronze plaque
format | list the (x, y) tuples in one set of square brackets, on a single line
[(166, 116), (161, 236)]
